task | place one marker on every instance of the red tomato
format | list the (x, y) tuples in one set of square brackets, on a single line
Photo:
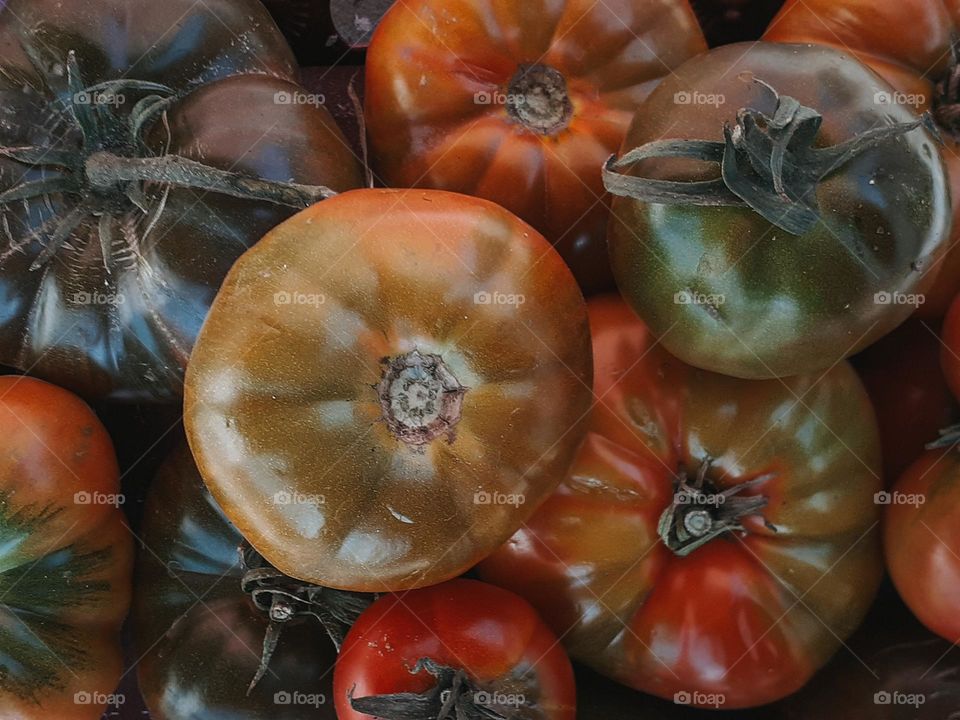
[(483, 644), (729, 596), (922, 539), (909, 392)]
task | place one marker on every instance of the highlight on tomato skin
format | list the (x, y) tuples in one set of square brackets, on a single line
[(387, 385), (475, 646), (716, 538), (66, 556), (520, 103), (921, 532)]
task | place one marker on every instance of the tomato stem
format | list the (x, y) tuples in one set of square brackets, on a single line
[(285, 599), (699, 512), (537, 98), (454, 695), (767, 164)]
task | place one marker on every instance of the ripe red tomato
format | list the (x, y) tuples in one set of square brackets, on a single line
[(715, 538), (922, 539), (910, 44), (909, 392), (521, 103), (463, 642), (65, 556)]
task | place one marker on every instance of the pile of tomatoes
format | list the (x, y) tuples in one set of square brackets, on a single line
[(520, 360)]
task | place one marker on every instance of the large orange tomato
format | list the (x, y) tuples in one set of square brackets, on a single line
[(520, 103), (387, 386), (716, 538)]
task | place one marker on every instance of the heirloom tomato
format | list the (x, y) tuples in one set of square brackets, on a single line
[(910, 43), (950, 347), (65, 556), (204, 607), (387, 386), (715, 538), (144, 144), (460, 649), (520, 103), (773, 219), (922, 539)]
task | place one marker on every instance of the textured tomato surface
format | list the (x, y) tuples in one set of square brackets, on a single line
[(748, 617), (293, 393)]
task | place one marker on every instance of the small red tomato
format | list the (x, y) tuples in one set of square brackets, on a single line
[(462, 647), (922, 539), (950, 349), (909, 392)]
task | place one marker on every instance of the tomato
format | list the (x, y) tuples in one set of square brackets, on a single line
[(769, 284), (909, 392), (65, 556), (520, 103), (922, 539), (463, 643), (950, 347), (143, 146), (715, 538), (200, 635), (387, 385), (909, 44)]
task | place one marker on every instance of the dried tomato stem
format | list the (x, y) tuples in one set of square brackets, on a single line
[(768, 164), (106, 171)]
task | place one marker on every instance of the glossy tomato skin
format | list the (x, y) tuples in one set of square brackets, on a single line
[(199, 636), (922, 539), (490, 633), (119, 322), (65, 556), (723, 621), (776, 304), (284, 392), (903, 376), (908, 43), (438, 91)]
